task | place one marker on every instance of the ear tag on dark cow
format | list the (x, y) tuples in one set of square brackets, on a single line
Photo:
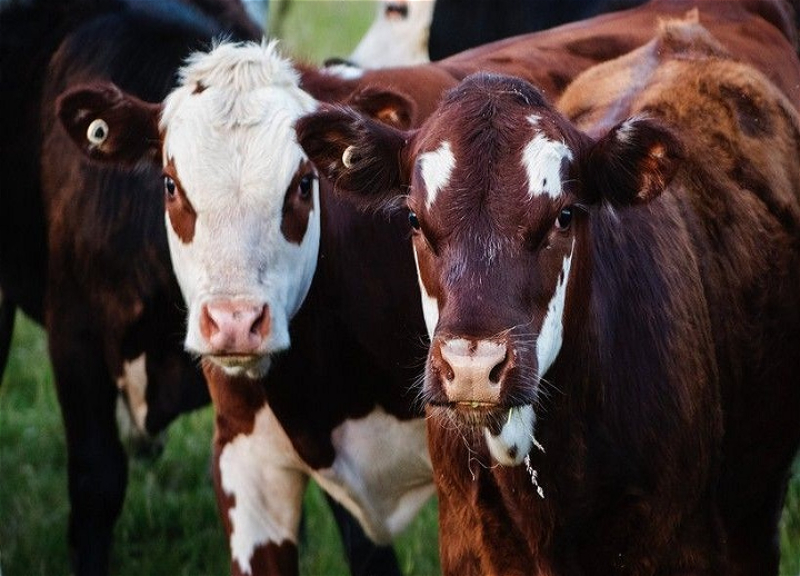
[(97, 132), (347, 156)]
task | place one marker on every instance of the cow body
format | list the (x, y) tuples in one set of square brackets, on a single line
[(329, 356), (604, 324)]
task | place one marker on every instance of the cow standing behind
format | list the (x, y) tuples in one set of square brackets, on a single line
[(613, 306), (248, 228)]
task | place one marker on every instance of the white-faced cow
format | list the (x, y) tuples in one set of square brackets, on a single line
[(268, 260), (82, 247), (613, 304)]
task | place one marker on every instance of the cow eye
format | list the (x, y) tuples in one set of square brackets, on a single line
[(564, 218), (413, 220), (305, 186), (169, 186)]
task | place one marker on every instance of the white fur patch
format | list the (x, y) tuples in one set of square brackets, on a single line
[(343, 71), (542, 160), (133, 383), (430, 305), (382, 473), (516, 438), (436, 168), (551, 335), (263, 473)]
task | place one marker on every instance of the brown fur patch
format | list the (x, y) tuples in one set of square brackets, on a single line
[(182, 216), (298, 204)]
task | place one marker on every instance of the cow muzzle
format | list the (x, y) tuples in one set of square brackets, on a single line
[(471, 371), (234, 329)]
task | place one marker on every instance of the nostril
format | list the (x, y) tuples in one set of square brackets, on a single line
[(261, 325), (208, 327), (439, 364), (496, 373)]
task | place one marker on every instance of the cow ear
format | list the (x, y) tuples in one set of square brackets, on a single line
[(634, 162), (362, 157), (109, 125), (389, 107)]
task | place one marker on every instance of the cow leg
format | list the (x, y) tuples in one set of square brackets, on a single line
[(97, 465), (364, 557), (7, 312)]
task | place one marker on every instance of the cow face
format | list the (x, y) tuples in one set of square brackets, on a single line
[(500, 189), (241, 199), (242, 203)]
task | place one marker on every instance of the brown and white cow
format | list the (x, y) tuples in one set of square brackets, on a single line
[(614, 308), (265, 260), (83, 249)]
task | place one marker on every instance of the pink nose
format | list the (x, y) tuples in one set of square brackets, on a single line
[(234, 326), (471, 370)]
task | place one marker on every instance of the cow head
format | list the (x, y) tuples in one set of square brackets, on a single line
[(499, 188), (241, 198)]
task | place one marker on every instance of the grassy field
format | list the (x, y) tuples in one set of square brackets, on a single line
[(169, 524)]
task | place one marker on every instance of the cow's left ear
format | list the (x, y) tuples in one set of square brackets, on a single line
[(110, 125), (363, 158), (633, 163), (389, 107)]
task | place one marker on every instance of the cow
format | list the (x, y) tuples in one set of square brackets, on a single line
[(306, 311), (397, 37), (611, 287), (83, 249)]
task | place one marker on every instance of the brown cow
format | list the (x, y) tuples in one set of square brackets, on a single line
[(615, 304), (264, 259)]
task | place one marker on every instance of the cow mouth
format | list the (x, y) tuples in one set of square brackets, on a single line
[(250, 365), (475, 414)]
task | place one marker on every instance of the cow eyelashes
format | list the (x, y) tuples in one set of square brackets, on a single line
[(169, 186)]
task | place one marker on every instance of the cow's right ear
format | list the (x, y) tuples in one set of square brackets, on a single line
[(362, 157), (109, 125)]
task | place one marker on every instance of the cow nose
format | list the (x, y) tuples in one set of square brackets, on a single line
[(234, 326), (471, 370)]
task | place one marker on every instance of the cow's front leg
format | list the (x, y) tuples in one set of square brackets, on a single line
[(258, 481), (97, 464)]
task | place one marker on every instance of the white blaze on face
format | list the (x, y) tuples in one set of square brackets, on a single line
[(435, 169), (551, 335), (229, 132), (430, 305), (262, 472), (516, 438), (542, 159)]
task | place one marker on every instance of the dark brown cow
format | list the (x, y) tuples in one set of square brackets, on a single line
[(265, 259), (94, 268), (616, 311)]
